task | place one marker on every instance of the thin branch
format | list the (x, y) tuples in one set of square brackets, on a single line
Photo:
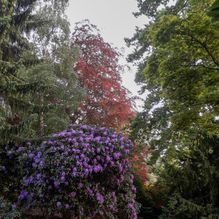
[(205, 47)]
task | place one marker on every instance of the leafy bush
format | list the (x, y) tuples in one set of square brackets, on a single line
[(7, 210), (82, 171), (178, 207)]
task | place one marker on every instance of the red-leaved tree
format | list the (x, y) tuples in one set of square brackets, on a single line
[(139, 154), (97, 67)]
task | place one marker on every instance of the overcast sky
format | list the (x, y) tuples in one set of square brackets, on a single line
[(115, 20)]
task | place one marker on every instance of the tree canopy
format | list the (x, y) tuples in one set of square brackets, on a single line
[(107, 102), (177, 54)]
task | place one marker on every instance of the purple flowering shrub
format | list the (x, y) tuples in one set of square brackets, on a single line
[(82, 171)]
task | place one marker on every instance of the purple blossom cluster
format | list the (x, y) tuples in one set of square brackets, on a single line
[(83, 170)]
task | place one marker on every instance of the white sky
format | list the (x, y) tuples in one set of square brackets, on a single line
[(115, 20)]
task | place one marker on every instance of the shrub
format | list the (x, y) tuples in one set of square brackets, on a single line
[(82, 171), (7, 210)]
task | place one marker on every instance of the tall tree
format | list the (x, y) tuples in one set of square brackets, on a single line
[(179, 49), (180, 72), (98, 71), (37, 82), (16, 19), (52, 43)]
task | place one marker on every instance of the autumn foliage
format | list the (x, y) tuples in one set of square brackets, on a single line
[(97, 68), (139, 164)]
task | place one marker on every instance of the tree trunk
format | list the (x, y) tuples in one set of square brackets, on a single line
[(41, 118)]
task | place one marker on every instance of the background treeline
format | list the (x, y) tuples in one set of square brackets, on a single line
[(177, 53)]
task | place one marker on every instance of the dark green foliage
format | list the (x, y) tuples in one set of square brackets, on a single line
[(179, 65), (15, 16), (38, 87), (149, 7), (180, 72), (7, 211), (148, 208), (194, 190), (214, 10)]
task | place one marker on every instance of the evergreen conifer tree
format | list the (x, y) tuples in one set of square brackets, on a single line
[(38, 89)]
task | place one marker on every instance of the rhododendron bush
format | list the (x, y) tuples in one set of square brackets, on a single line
[(82, 171)]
